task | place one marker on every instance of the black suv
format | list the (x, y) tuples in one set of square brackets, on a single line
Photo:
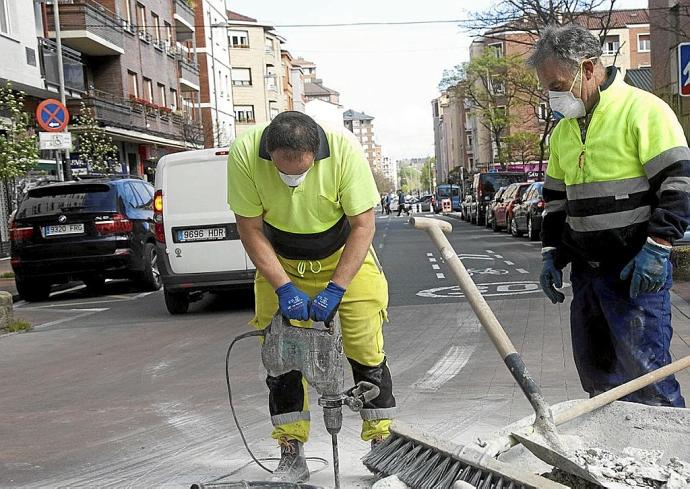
[(88, 230)]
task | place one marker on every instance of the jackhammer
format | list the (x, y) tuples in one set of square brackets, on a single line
[(318, 354)]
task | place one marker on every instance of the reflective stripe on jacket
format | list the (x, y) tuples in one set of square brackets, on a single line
[(628, 179)]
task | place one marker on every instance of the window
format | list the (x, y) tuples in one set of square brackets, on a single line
[(156, 27), (496, 48), (148, 89), (168, 35), (543, 111), (269, 45), (497, 86), (127, 12), (162, 95), (244, 113), (644, 43), (274, 112), (4, 17), (173, 99), (133, 84), (141, 18), (241, 77), (611, 45), (239, 39)]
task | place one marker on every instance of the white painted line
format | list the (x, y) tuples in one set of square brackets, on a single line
[(498, 256), (509, 262), (489, 251), (521, 270), (432, 260), (380, 246), (435, 267), (440, 275), (446, 368), (88, 312), (429, 254)]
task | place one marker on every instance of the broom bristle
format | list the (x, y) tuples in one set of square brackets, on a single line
[(422, 466)]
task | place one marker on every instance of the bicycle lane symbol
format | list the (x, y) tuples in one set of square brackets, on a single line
[(493, 289)]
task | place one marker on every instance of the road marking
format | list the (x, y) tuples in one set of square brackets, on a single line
[(435, 267), (87, 312), (521, 270), (446, 368), (498, 256), (440, 275), (494, 289), (490, 251), (432, 260), (487, 271), (509, 262), (429, 254), (380, 246)]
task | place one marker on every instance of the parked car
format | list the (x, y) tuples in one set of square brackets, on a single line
[(527, 212), (197, 238), (86, 230), (503, 211), (426, 202), (484, 187), (492, 204)]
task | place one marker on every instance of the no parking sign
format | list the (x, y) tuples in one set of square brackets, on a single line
[(52, 115)]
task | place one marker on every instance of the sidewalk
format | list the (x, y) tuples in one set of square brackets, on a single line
[(7, 284)]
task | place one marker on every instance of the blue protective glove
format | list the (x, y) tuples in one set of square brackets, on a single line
[(325, 304), (551, 277), (294, 304), (648, 269)]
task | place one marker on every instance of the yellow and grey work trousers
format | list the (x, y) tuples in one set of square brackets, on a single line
[(362, 313)]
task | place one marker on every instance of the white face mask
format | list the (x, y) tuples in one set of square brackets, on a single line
[(292, 180), (565, 105)]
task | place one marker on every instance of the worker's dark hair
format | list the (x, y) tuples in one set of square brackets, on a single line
[(293, 131)]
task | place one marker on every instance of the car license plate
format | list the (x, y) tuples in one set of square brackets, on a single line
[(63, 229), (203, 234)]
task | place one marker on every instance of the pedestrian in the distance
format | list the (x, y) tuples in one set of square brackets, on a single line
[(401, 204), (304, 199), (388, 203), (616, 192)]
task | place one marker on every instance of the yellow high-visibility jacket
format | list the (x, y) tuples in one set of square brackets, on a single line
[(626, 179)]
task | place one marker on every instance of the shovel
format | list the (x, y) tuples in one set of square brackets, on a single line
[(541, 438)]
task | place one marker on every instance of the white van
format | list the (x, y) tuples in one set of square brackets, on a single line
[(198, 244)]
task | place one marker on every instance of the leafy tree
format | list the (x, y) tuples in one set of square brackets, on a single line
[(383, 183), (427, 177), (18, 142), (522, 146), (96, 148)]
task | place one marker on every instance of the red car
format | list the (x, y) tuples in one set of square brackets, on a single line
[(503, 211)]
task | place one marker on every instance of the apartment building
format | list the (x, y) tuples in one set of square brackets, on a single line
[(293, 83), (454, 134), (257, 72), (140, 79), (626, 43), (362, 126), (212, 47)]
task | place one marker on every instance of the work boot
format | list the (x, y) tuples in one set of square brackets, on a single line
[(293, 464)]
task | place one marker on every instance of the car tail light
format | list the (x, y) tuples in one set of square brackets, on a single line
[(21, 233), (119, 224), (540, 204), (159, 229)]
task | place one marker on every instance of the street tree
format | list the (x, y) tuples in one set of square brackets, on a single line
[(383, 183), (522, 146), (96, 148), (427, 177)]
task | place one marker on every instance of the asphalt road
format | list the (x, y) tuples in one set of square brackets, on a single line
[(112, 391)]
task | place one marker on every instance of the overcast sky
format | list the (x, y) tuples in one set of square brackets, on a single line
[(389, 72)]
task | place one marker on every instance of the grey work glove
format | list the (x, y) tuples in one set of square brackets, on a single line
[(551, 277)]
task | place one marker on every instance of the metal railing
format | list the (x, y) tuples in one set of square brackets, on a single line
[(92, 17), (184, 11)]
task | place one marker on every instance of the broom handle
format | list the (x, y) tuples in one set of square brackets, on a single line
[(435, 228), (600, 400)]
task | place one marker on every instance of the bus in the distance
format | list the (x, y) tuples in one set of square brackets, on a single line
[(447, 191)]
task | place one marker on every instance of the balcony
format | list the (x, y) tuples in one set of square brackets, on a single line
[(89, 28), (72, 66), (184, 19), (189, 75), (133, 115)]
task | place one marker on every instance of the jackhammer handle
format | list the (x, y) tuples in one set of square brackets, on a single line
[(366, 390), (435, 228)]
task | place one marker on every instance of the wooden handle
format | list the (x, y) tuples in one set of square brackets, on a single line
[(589, 405), (435, 228)]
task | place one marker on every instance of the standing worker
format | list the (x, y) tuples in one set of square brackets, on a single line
[(616, 193), (304, 201)]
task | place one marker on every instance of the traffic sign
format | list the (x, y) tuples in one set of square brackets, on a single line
[(52, 115), (55, 140), (684, 69)]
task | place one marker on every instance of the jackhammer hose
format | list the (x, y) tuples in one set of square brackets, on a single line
[(250, 334)]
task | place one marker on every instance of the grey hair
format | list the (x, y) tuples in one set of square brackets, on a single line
[(568, 44)]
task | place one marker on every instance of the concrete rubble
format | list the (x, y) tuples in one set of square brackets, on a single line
[(391, 482)]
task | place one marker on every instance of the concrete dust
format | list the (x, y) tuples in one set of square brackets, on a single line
[(634, 468), (391, 482)]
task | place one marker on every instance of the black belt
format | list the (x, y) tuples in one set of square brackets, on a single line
[(315, 246)]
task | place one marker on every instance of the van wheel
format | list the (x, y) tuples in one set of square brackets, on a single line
[(32, 290), (150, 278), (176, 302), (94, 283)]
